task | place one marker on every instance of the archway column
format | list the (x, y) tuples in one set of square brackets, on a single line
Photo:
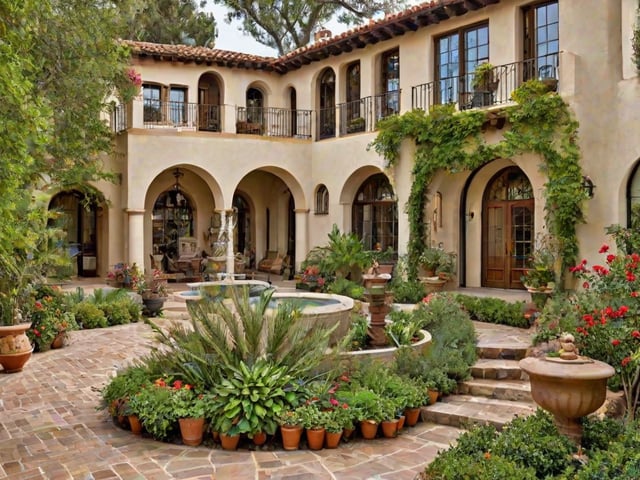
[(136, 236), (302, 237)]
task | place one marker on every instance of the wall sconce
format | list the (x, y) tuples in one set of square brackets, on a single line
[(470, 216), (588, 186)]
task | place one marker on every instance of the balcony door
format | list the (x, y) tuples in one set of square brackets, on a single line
[(541, 40), (508, 229)]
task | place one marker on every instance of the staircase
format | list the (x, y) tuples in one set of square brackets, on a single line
[(498, 390)]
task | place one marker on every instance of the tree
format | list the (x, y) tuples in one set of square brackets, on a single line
[(169, 21), (59, 63), (287, 25)]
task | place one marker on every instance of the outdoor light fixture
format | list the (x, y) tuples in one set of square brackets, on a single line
[(470, 216), (177, 174), (588, 186)]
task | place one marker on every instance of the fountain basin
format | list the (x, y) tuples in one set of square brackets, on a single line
[(386, 354), (217, 289)]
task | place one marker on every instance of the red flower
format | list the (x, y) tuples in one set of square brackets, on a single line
[(634, 294), (188, 387), (610, 258), (160, 383), (585, 285), (38, 305), (584, 261), (622, 310), (334, 402), (604, 248), (635, 334), (615, 342), (625, 361), (630, 277), (36, 332), (177, 385)]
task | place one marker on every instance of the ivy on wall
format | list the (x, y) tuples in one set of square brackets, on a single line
[(635, 40), (540, 122)]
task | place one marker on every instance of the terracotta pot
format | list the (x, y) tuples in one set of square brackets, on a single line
[(569, 389), (15, 348), (315, 438), (389, 428), (347, 432), (134, 423), (368, 429), (229, 442), (259, 438), (433, 396), (401, 420), (192, 430), (58, 341), (291, 437), (216, 437), (332, 439), (412, 416)]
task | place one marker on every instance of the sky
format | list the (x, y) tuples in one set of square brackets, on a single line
[(230, 38)]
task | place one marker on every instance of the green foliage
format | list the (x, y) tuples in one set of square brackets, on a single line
[(627, 238), (345, 255), (598, 434), (88, 315), (358, 335), (311, 416), (452, 141), (403, 329), (125, 384), (560, 314), (154, 406), (406, 291), (494, 310), (251, 399), (343, 286), (534, 442)]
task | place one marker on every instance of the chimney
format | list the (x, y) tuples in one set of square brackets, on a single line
[(322, 34)]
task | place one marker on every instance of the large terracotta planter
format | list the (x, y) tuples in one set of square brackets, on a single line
[(389, 428), (412, 415), (229, 442), (569, 389), (15, 348), (191, 430), (332, 439), (291, 437)]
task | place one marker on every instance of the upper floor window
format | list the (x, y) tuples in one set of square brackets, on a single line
[(255, 103), (388, 102), (541, 40), (457, 55), (178, 104), (327, 111), (151, 95), (353, 82), (164, 104), (322, 200)]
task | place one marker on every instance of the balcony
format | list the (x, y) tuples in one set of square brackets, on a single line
[(460, 90), (274, 122)]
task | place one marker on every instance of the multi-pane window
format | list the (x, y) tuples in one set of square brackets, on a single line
[(457, 56), (542, 41), (164, 104), (152, 96), (389, 100), (178, 105), (375, 214), (327, 113), (322, 200)]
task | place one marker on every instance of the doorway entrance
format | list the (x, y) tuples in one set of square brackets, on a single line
[(507, 229)]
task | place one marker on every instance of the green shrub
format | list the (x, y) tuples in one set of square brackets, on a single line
[(463, 467), (559, 314), (343, 286), (494, 310), (117, 312), (358, 335), (534, 442), (598, 434), (407, 291), (88, 315), (124, 385)]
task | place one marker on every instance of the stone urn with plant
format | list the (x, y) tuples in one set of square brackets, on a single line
[(154, 293)]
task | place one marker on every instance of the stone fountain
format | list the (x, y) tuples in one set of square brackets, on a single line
[(569, 386)]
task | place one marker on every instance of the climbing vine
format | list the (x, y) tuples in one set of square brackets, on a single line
[(540, 122)]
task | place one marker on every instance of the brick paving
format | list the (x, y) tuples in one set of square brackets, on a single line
[(51, 428)]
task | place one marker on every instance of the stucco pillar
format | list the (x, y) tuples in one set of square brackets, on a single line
[(136, 236), (229, 225), (302, 240)]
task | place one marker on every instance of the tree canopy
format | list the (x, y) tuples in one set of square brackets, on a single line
[(288, 25), (168, 21), (59, 64)]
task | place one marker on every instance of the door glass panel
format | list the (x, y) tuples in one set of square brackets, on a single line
[(521, 236), (495, 237)]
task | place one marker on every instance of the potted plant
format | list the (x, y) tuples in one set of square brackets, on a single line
[(356, 125), (153, 404), (334, 426), (50, 318), (290, 429), (154, 293), (369, 411), (484, 78), (189, 408), (389, 422), (313, 420), (124, 275)]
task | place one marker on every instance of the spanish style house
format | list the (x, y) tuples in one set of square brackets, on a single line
[(273, 151)]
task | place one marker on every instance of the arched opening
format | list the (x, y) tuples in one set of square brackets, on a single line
[(508, 229), (375, 214), (242, 241), (327, 107), (172, 222), (78, 220), (209, 101)]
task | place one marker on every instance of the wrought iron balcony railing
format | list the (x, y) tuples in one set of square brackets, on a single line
[(274, 122), (356, 116), (465, 91)]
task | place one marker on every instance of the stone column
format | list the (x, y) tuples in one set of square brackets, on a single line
[(136, 236), (302, 240)]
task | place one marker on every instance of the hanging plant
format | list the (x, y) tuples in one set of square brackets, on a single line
[(452, 141)]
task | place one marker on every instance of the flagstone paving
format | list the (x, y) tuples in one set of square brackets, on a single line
[(51, 428)]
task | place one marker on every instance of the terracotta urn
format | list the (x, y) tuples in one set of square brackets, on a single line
[(569, 389)]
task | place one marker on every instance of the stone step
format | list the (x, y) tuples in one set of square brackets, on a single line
[(465, 410), (502, 352), (498, 369), (511, 390)]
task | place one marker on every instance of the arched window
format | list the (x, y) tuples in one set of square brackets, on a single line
[(354, 121), (255, 104), (322, 200), (172, 219), (375, 213), (327, 111)]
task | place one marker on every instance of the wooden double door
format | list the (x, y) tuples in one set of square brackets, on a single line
[(508, 230)]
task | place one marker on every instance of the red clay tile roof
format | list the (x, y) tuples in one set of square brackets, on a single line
[(391, 26)]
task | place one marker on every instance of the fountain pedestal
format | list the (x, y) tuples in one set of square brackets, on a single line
[(378, 310)]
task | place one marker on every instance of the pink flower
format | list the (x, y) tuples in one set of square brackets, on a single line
[(585, 285), (604, 248), (635, 334), (334, 402), (634, 294)]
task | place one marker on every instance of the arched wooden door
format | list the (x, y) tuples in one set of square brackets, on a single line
[(507, 229)]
